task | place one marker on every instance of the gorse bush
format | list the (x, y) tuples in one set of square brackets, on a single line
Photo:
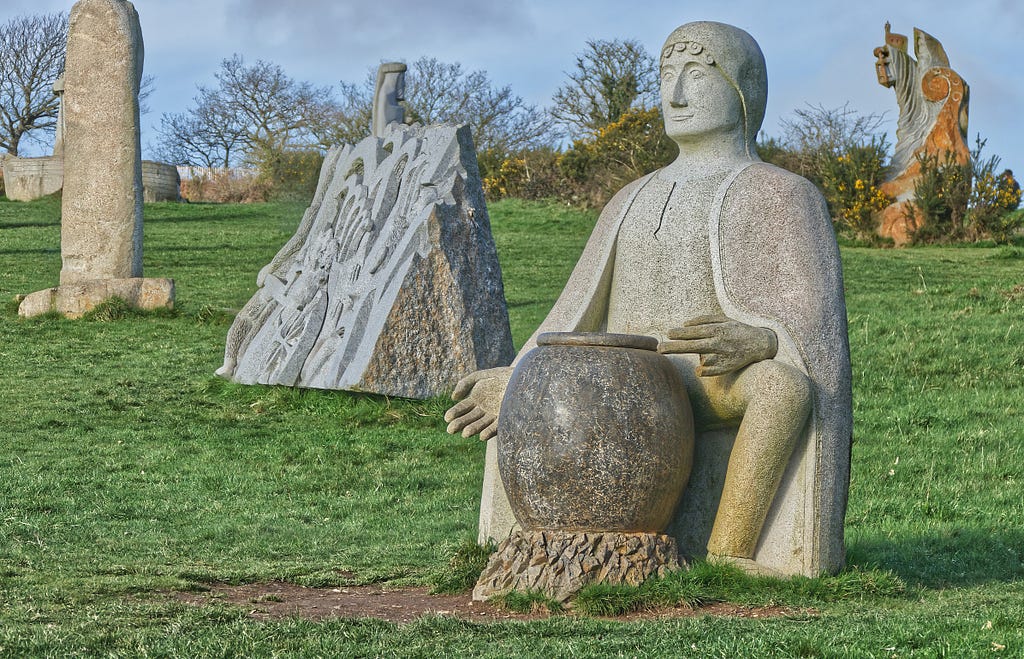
[(842, 152), (993, 198), (597, 167), (939, 206), (956, 201), (533, 174), (851, 183), (593, 169)]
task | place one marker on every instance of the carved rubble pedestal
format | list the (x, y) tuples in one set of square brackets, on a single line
[(560, 563)]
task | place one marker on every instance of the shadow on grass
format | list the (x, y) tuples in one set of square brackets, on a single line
[(959, 557), (25, 225), (41, 250), (184, 217)]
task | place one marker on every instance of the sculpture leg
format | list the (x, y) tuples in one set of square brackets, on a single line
[(777, 401)]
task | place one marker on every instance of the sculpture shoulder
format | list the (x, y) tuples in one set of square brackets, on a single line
[(765, 190), (767, 178), (615, 205)]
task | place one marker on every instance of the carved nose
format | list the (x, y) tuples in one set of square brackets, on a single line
[(678, 95)]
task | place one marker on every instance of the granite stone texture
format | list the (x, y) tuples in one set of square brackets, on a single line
[(74, 300), (731, 264), (101, 212), (26, 179), (388, 93), (101, 204), (390, 285), (160, 182), (595, 433)]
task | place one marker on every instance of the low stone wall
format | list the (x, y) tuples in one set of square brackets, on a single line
[(26, 179), (160, 182)]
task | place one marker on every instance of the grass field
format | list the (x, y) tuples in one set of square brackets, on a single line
[(128, 470)]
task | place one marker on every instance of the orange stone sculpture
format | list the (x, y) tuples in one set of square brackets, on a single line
[(933, 102)]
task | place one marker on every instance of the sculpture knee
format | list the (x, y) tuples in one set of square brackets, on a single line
[(781, 386)]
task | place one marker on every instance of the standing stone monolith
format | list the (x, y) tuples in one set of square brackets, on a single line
[(58, 136), (101, 210), (933, 101), (391, 283)]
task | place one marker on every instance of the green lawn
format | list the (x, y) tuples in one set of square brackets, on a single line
[(128, 470)]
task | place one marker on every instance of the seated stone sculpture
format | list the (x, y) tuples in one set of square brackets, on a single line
[(732, 264)]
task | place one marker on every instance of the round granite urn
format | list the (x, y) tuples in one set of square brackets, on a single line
[(595, 434)]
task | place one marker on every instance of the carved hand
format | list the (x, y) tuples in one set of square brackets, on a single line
[(724, 345), (479, 397)]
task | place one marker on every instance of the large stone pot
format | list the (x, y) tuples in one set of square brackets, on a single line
[(595, 434)]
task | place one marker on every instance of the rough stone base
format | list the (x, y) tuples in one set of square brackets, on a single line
[(559, 564), (74, 300)]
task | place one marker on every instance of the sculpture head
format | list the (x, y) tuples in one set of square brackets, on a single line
[(714, 80), (387, 96)]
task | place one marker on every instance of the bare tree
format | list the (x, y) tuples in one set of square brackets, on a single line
[(253, 111), (610, 78), (31, 59), (347, 120), (816, 132), (207, 135), (274, 108), (439, 92), (501, 121)]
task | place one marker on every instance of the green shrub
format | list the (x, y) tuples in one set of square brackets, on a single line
[(529, 174), (597, 167), (956, 201), (851, 183), (291, 174)]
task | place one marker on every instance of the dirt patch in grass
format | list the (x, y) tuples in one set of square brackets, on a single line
[(275, 600)]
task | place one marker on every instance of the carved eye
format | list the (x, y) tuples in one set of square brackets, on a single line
[(696, 74)]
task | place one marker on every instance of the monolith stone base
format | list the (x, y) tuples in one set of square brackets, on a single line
[(74, 300), (559, 563)]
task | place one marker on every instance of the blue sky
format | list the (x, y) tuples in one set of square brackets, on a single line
[(817, 52)]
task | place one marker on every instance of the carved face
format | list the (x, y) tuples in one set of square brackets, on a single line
[(696, 99), (735, 56)]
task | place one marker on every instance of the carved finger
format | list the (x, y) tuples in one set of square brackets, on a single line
[(692, 346), (706, 320), (695, 331), (466, 384), (477, 426), (713, 364), (463, 387), (458, 409), (489, 432), (712, 371), (462, 421)]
